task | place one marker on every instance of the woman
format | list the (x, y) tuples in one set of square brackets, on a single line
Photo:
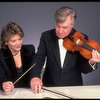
[(15, 58)]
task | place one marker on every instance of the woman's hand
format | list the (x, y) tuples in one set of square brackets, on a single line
[(7, 86)]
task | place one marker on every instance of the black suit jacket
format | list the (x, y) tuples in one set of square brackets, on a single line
[(8, 70), (54, 75)]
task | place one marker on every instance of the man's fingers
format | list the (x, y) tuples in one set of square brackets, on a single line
[(37, 89)]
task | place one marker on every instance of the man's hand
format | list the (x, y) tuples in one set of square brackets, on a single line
[(36, 85)]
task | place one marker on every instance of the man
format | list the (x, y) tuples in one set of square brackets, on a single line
[(63, 67)]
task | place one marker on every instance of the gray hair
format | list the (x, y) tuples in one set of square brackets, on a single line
[(63, 12)]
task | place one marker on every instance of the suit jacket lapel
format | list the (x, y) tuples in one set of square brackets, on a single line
[(68, 54), (67, 58), (24, 57), (55, 47), (10, 63), (56, 52)]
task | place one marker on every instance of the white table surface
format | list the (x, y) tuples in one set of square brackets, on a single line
[(80, 92)]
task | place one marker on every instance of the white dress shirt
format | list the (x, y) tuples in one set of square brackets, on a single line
[(62, 51)]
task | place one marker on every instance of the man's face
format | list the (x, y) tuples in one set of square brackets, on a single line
[(63, 29)]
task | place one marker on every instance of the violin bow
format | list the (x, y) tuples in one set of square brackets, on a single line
[(45, 88), (59, 92), (24, 73)]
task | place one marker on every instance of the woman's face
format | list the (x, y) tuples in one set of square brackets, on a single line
[(15, 43)]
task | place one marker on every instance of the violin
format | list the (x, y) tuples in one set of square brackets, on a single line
[(77, 42)]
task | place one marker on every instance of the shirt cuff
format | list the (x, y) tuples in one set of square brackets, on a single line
[(93, 66)]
